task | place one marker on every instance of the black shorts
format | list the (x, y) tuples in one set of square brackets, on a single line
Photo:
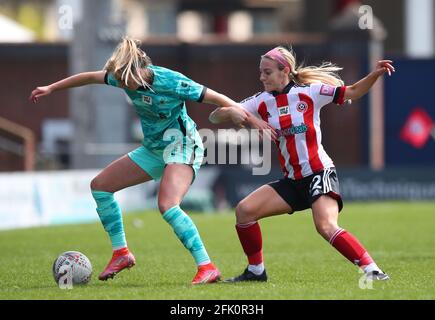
[(301, 194)]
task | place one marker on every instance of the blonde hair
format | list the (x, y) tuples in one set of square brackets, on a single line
[(127, 61), (325, 73)]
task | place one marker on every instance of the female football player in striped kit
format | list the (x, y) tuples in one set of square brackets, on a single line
[(291, 102), (158, 95)]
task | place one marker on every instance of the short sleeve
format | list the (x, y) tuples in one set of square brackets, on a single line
[(324, 94), (110, 80), (184, 88), (250, 105)]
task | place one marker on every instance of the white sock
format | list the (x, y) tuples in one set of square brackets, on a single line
[(119, 247), (256, 269), (371, 267), (204, 263)]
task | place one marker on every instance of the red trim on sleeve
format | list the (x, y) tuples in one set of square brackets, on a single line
[(340, 99)]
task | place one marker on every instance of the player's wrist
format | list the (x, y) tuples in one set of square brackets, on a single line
[(238, 113), (52, 87)]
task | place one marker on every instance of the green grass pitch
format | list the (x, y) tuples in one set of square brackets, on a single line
[(301, 265)]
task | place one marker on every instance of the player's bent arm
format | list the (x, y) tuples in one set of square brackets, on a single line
[(216, 98), (360, 88), (231, 111), (220, 115), (228, 110), (237, 115), (242, 118), (80, 79)]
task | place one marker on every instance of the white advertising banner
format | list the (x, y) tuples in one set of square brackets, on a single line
[(60, 197), (47, 198), (18, 207)]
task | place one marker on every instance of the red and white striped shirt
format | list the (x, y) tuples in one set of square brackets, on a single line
[(295, 114)]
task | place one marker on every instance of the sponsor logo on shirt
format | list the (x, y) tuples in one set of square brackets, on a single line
[(326, 90), (283, 111), (293, 130), (147, 99)]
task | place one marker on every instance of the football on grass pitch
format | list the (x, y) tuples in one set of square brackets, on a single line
[(72, 267)]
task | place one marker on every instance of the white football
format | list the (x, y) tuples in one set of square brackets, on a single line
[(72, 267)]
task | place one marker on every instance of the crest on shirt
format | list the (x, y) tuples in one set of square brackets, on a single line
[(326, 90), (147, 100), (302, 106), (283, 111)]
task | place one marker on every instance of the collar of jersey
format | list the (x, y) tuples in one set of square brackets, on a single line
[(285, 90)]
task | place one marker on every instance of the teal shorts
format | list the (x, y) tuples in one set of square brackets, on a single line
[(153, 162)]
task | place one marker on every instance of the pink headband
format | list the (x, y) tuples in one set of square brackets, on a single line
[(276, 55)]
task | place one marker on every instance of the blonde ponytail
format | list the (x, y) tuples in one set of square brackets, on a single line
[(127, 61), (325, 73)]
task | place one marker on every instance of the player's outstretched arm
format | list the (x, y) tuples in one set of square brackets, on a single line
[(216, 98), (226, 112), (236, 112), (360, 88), (232, 111), (78, 80)]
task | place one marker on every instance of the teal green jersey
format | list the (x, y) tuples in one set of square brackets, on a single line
[(162, 106)]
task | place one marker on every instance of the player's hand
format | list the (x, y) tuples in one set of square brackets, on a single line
[(238, 117), (264, 128), (39, 92), (385, 66)]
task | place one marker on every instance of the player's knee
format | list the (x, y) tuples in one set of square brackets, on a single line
[(165, 205), (326, 229), (244, 212), (99, 184), (96, 184)]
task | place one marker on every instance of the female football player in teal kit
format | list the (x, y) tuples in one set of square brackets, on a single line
[(172, 149)]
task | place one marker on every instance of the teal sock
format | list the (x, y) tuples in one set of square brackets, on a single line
[(188, 234), (111, 218)]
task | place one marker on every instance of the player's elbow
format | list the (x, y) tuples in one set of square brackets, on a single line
[(213, 117), (217, 116), (352, 93)]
